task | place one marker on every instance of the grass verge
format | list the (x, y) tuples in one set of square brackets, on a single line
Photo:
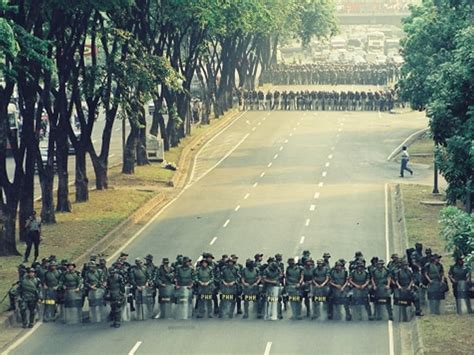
[(421, 151), (76, 232), (447, 333)]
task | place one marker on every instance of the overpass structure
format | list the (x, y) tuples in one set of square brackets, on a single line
[(372, 18)]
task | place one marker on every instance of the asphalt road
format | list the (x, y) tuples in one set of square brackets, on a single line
[(285, 182)]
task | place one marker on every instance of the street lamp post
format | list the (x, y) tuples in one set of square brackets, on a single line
[(435, 187)]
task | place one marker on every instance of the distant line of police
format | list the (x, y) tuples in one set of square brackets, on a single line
[(220, 288), (319, 100)]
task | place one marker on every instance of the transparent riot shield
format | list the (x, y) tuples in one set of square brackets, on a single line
[(402, 301), (436, 292), (228, 299), (204, 301), (338, 302), (381, 302), (150, 300), (72, 307), (165, 299), (49, 300), (272, 302), (141, 304), (126, 309), (461, 293), (294, 299), (359, 304), (250, 296), (183, 297), (320, 302), (96, 305)]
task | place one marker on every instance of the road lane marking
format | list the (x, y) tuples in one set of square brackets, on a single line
[(264, 118), (294, 128), (262, 174), (275, 156), (255, 185), (254, 128), (226, 223), (268, 348), (286, 140), (281, 148), (22, 339), (312, 207), (333, 148), (330, 156), (391, 347), (324, 173), (247, 121), (270, 165), (321, 184), (135, 348), (302, 240), (246, 196), (213, 240), (316, 195), (307, 222), (291, 134), (259, 124), (299, 123), (237, 208), (326, 165), (339, 130), (337, 135)]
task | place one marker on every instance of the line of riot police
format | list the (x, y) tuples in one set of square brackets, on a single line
[(326, 73), (381, 100), (179, 290)]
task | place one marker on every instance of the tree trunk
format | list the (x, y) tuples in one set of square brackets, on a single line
[(7, 234), (82, 182), (130, 150), (142, 158), (63, 203), (48, 215), (27, 191)]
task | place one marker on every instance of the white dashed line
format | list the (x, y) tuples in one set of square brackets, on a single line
[(237, 208), (264, 118), (281, 148), (226, 223), (339, 130), (254, 128), (213, 240), (321, 184), (255, 185), (307, 222), (247, 121), (259, 124), (262, 174), (246, 196), (286, 140), (299, 123), (302, 239), (291, 134), (316, 195), (333, 148), (337, 135), (270, 165), (135, 348), (268, 347), (327, 164), (330, 156), (275, 156), (312, 207), (324, 173)]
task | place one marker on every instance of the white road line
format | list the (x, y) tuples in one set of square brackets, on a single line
[(299, 123), (246, 196), (312, 207), (213, 240), (226, 223), (135, 348), (326, 165), (321, 184), (342, 124), (247, 121), (339, 130), (237, 208), (291, 134), (275, 156), (264, 118), (324, 173), (22, 339), (281, 148), (316, 195), (270, 165), (259, 124), (337, 135), (286, 140), (254, 128), (294, 128), (307, 222), (262, 174), (330, 156), (268, 348), (302, 239), (391, 347), (255, 185), (333, 148)]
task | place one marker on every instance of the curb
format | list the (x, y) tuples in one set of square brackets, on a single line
[(399, 227), (408, 141)]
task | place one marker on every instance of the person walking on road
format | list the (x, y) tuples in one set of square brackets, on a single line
[(404, 162), (33, 227)]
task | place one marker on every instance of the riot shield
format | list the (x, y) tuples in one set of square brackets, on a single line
[(72, 307), (165, 299), (126, 309), (183, 297), (142, 307), (381, 302), (204, 301), (359, 302), (402, 300), (294, 298), (320, 302), (150, 296), (49, 300), (461, 293), (96, 305), (228, 298), (272, 300), (436, 293), (338, 301), (250, 296)]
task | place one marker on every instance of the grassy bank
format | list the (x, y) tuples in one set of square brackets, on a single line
[(76, 232), (447, 333), (421, 151)]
